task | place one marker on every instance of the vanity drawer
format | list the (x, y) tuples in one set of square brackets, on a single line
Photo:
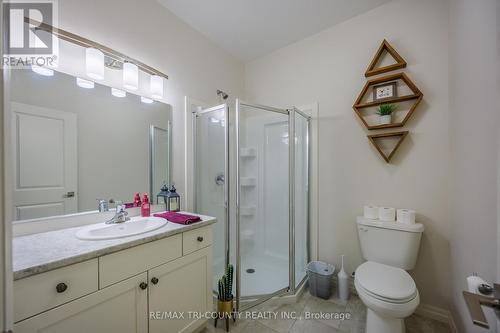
[(44, 291), (196, 239), (121, 265)]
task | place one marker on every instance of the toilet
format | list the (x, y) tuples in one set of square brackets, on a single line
[(382, 282)]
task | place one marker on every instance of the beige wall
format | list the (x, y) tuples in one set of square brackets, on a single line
[(474, 146), (147, 31), (329, 68)]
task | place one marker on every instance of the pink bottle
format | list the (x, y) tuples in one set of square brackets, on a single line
[(137, 200), (145, 206)]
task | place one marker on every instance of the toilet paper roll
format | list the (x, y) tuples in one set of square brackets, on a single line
[(473, 282), (406, 216), (387, 214), (371, 212)]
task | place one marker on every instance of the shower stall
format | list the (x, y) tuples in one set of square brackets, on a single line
[(251, 171)]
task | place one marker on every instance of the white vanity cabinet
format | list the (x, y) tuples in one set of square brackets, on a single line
[(180, 287), (121, 307), (166, 290)]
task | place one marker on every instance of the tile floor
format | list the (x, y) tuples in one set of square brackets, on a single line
[(309, 304)]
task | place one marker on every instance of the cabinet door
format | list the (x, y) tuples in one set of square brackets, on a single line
[(121, 307), (182, 287)]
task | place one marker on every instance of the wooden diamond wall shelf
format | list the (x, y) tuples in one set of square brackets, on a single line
[(376, 141), (385, 46), (416, 96)]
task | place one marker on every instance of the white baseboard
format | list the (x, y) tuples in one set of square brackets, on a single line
[(453, 327), (439, 314)]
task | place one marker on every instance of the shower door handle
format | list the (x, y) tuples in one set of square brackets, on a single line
[(220, 179)]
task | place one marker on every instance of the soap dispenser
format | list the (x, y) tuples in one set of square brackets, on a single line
[(343, 283), (145, 206)]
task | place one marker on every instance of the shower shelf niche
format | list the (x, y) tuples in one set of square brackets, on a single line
[(248, 152), (247, 211), (248, 181)]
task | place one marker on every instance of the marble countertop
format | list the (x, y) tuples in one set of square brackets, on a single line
[(41, 252)]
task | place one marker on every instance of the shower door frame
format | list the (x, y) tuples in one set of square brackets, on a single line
[(308, 190), (196, 113), (291, 289)]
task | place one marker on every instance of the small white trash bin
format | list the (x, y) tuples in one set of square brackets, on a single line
[(320, 276)]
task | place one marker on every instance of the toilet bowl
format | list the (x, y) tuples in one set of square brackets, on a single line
[(382, 282), (389, 294)]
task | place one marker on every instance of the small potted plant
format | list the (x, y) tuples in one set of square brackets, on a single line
[(225, 297), (385, 113)]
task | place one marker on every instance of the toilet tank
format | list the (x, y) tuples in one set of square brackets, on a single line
[(392, 243)]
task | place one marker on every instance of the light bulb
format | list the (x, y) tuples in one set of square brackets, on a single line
[(146, 100), (84, 83), (42, 70), (94, 63), (130, 76), (118, 93), (156, 86)]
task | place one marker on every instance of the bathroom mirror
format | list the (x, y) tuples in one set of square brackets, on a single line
[(73, 145)]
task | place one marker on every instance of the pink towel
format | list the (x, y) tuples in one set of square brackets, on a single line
[(178, 217)]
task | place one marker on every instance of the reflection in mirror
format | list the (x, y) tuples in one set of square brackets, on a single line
[(73, 145), (160, 159)]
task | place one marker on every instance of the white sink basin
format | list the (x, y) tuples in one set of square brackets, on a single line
[(137, 225)]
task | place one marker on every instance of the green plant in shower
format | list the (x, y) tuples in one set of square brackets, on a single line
[(225, 285), (386, 109)]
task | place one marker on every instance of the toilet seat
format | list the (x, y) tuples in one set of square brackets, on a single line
[(385, 283)]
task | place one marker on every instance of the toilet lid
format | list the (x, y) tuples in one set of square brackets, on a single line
[(386, 282)]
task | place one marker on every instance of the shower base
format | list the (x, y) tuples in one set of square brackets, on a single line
[(270, 273)]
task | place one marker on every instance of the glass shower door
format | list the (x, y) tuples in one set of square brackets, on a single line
[(301, 195), (211, 171), (262, 203)]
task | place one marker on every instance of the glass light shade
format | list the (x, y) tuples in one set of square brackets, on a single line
[(156, 86), (94, 63), (130, 76), (118, 93), (146, 100), (82, 83), (42, 70)]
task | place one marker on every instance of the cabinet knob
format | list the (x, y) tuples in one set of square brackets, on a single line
[(154, 280), (143, 285), (61, 287), (199, 239)]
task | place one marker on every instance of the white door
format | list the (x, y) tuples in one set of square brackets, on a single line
[(181, 287), (45, 162), (122, 307)]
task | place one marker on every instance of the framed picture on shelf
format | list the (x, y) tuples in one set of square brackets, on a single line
[(384, 91)]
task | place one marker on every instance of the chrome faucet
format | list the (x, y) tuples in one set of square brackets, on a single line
[(120, 215), (103, 205)]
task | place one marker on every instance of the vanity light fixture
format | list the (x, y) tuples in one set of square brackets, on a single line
[(156, 85), (130, 76), (94, 63), (146, 100), (42, 70), (82, 83), (118, 93), (113, 59)]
